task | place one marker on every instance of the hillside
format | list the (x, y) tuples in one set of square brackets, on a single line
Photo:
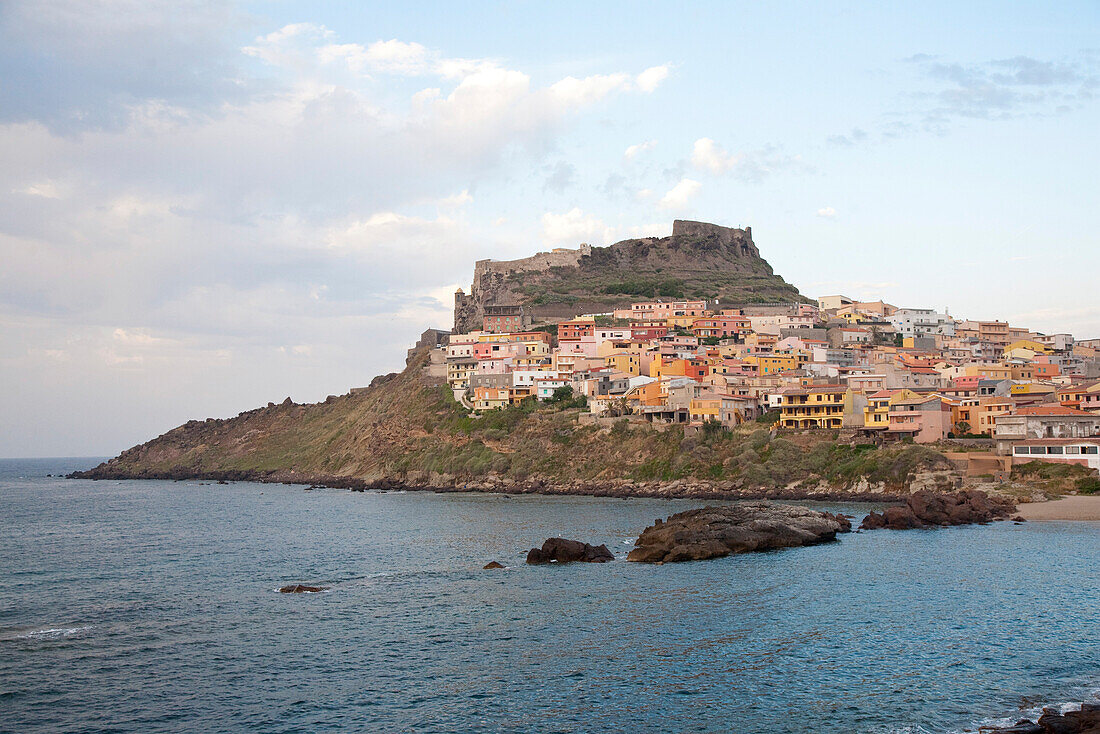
[(406, 430), (698, 261)]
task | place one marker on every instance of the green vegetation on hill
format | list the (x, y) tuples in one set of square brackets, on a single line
[(408, 428)]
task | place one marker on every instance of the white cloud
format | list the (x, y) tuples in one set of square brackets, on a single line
[(631, 152), (680, 195), (45, 189), (460, 199), (389, 56), (651, 78), (827, 212), (708, 155), (575, 92), (574, 227)]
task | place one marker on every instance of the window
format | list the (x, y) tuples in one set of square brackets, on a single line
[(1073, 449), (1019, 450), (1089, 449), (1038, 449), (1054, 450)]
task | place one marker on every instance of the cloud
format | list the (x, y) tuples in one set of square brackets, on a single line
[(561, 177), (827, 212), (680, 195), (753, 166), (1004, 88), (632, 151), (652, 77), (73, 65), (393, 56), (847, 140), (186, 222), (708, 155), (460, 199), (574, 227)]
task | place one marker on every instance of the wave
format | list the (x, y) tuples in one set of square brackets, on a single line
[(46, 634)]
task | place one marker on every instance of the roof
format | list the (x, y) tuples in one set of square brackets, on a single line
[(1056, 441), (814, 388), (1053, 410), (919, 400)]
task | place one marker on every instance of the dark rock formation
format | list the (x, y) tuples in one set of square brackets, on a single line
[(560, 550), (493, 564), (301, 589), (713, 532), (929, 509), (1085, 721)]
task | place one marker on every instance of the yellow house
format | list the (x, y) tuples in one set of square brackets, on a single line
[(651, 393), (876, 414), (628, 362), (1032, 388), (986, 411), (991, 371), (702, 409), (769, 364), (1025, 346), (488, 398), (814, 406)]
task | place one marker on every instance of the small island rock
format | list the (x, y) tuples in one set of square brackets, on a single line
[(560, 550), (493, 564), (713, 532), (301, 589)]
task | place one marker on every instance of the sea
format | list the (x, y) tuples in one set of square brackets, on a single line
[(151, 606)]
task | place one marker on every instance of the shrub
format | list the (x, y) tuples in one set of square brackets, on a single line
[(1088, 485)]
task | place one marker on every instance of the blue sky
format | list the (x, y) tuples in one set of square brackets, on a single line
[(207, 206)]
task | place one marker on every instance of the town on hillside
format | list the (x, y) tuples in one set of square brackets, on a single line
[(867, 370)]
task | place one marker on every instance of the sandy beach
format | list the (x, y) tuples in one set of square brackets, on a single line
[(1067, 508)]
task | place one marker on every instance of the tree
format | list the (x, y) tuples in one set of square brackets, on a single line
[(962, 428), (561, 395), (619, 407)]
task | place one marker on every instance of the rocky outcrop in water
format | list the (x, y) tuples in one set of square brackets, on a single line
[(713, 532), (1085, 721), (930, 509), (560, 550), (492, 564), (301, 589)]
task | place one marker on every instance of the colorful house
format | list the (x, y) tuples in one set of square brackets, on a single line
[(814, 406)]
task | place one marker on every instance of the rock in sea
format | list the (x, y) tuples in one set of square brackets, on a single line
[(560, 550), (1084, 721), (927, 509), (493, 564), (301, 589), (713, 532)]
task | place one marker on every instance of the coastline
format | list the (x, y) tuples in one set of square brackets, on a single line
[(1074, 508), (622, 489)]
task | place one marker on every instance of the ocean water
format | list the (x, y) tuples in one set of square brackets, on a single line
[(150, 607)]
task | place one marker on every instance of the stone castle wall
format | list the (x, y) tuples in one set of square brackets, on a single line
[(538, 262)]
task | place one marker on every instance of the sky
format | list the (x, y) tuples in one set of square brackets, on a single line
[(208, 206)]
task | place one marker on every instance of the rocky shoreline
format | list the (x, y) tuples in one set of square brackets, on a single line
[(624, 489)]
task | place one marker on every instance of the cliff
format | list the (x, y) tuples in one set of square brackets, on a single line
[(698, 261), (406, 430)]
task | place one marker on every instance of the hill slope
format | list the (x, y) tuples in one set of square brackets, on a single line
[(698, 261), (406, 430)]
